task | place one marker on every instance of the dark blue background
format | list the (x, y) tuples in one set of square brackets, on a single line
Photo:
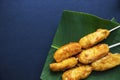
[(27, 28)]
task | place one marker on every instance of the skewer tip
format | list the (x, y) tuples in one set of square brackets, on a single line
[(114, 45), (114, 28)]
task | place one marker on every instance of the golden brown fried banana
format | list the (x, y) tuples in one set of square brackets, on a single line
[(77, 73), (65, 64), (92, 54), (67, 51), (107, 62), (94, 38)]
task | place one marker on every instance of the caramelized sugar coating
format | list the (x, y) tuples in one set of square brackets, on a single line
[(65, 64), (93, 38), (107, 62), (92, 54), (67, 51), (77, 73)]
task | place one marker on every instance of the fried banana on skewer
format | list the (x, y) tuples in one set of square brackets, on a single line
[(92, 54), (77, 73), (107, 62), (67, 51), (65, 64), (94, 38)]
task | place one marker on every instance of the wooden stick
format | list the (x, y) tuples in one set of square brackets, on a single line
[(114, 45), (114, 28)]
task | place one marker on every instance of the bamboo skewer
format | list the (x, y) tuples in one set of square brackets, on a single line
[(114, 45), (114, 28)]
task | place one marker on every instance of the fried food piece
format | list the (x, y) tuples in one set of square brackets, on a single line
[(107, 62), (94, 38), (67, 51), (77, 73), (65, 64), (92, 54)]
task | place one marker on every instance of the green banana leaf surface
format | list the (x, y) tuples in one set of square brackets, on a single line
[(72, 27)]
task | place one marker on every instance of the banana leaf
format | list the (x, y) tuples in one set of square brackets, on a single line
[(72, 27)]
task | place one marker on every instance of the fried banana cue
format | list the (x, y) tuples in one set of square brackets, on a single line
[(77, 73), (67, 51), (65, 64), (93, 38), (107, 62), (92, 54)]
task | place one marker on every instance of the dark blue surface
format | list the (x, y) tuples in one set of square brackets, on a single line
[(27, 28)]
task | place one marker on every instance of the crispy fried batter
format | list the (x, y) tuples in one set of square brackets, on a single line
[(65, 64), (77, 73), (92, 54), (94, 38), (67, 51), (107, 62)]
